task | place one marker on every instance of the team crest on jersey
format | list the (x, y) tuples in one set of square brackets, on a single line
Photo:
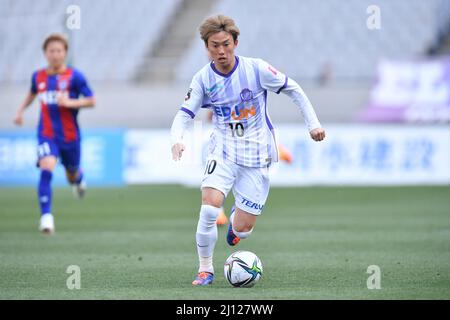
[(188, 95), (246, 95), (41, 86), (63, 85)]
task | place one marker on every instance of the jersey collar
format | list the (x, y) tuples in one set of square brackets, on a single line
[(226, 75)]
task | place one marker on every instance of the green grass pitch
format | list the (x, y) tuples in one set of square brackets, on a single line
[(315, 243)]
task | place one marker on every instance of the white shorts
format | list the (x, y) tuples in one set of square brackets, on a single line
[(250, 185)]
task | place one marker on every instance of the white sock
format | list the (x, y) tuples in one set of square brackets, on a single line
[(206, 236), (242, 235), (205, 264)]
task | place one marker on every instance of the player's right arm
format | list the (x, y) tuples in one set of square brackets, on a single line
[(18, 119), (192, 103)]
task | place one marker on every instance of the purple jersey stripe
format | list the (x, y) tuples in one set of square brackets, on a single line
[(265, 111), (189, 112), (284, 85)]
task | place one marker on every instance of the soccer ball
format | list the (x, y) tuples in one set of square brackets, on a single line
[(243, 269)]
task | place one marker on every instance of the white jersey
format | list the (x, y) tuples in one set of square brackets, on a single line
[(243, 132)]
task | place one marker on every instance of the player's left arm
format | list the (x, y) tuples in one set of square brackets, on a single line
[(80, 85), (276, 81)]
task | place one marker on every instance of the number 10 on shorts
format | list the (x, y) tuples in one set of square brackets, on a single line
[(210, 166)]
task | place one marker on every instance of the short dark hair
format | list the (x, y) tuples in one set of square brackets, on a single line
[(56, 37)]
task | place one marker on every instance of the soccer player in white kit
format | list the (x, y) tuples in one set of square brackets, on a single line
[(242, 146)]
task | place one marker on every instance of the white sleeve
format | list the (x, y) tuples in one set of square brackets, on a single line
[(275, 81), (271, 79), (179, 125), (295, 92), (192, 103)]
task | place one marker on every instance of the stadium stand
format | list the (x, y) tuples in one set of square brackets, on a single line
[(312, 37), (109, 46), (315, 32), (315, 42)]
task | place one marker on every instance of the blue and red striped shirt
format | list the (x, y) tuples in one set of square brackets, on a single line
[(58, 122)]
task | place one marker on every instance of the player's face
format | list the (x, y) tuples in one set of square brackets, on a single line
[(221, 49), (55, 53)]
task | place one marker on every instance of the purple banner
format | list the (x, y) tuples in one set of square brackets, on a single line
[(410, 92)]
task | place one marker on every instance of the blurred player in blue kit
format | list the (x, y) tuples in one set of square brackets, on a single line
[(62, 91)]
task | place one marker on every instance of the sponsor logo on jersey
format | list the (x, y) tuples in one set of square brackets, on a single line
[(243, 113), (214, 88), (236, 113), (48, 97), (252, 205)]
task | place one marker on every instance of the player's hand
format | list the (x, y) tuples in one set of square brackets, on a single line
[(317, 134), (177, 151), (63, 100), (18, 119)]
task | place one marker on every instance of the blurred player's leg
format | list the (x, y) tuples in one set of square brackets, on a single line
[(284, 154), (222, 218), (71, 157), (76, 179), (46, 165)]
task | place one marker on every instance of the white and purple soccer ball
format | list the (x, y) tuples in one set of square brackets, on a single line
[(243, 269)]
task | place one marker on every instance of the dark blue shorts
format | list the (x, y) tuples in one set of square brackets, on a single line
[(68, 153)]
